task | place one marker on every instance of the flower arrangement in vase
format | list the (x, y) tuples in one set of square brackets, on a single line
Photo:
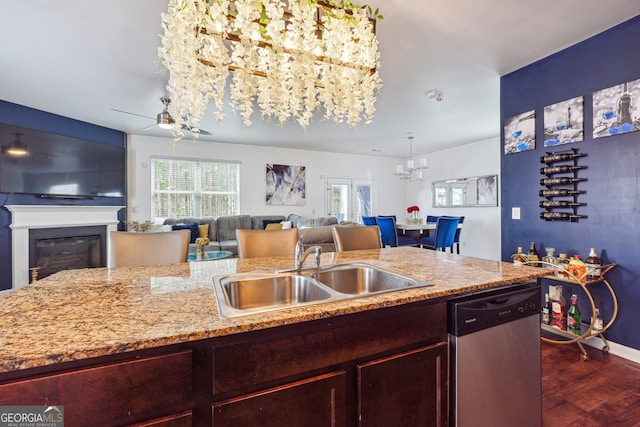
[(201, 242), (414, 212)]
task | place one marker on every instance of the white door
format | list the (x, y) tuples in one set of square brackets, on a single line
[(349, 199)]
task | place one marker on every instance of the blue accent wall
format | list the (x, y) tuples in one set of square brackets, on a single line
[(35, 119), (613, 171)]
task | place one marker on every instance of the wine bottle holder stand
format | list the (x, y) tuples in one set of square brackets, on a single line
[(564, 186), (587, 332)]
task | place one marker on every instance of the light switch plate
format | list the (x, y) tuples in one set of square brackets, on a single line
[(515, 213)]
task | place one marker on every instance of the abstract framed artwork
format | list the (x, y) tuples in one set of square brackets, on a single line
[(614, 111), (520, 132), (286, 185), (564, 122)]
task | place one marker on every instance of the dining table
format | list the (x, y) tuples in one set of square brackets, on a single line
[(421, 228)]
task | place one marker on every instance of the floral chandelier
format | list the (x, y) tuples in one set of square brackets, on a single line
[(288, 57)]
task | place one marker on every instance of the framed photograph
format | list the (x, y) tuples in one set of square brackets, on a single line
[(520, 132), (564, 122), (614, 111), (286, 185), (487, 190)]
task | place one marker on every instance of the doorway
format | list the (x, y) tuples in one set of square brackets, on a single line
[(348, 199)]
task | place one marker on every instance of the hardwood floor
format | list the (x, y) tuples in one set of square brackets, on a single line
[(601, 391)]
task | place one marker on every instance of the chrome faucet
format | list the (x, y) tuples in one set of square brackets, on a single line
[(301, 255)]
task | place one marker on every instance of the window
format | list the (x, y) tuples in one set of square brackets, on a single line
[(183, 188)]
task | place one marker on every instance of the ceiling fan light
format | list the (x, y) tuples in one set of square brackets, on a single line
[(165, 121), (17, 150)]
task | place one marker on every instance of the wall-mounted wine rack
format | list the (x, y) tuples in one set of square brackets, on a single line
[(561, 185)]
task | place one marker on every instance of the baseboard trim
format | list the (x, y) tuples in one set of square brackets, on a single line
[(616, 349)]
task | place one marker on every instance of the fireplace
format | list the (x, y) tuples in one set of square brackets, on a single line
[(66, 248), (26, 219)]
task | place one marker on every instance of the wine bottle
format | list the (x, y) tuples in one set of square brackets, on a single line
[(533, 254), (559, 204), (558, 317), (550, 170), (564, 180), (560, 215), (560, 156), (546, 310), (559, 192), (574, 319), (563, 265), (519, 257), (598, 324), (593, 265)]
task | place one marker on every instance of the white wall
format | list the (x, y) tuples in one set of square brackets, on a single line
[(389, 196), (481, 235)]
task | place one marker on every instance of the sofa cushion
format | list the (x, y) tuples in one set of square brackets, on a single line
[(226, 226), (273, 226), (195, 231), (229, 245), (258, 221), (307, 221), (267, 222), (211, 220)]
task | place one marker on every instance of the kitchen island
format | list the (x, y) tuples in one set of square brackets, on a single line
[(146, 344)]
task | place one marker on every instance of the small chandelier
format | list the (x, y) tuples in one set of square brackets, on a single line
[(289, 58), (412, 172)]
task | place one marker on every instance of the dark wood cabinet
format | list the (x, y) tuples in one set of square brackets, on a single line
[(111, 394), (406, 389), (317, 401), (383, 367)]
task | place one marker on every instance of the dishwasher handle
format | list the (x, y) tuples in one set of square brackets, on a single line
[(481, 312)]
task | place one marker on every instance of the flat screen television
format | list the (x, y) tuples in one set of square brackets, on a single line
[(60, 166)]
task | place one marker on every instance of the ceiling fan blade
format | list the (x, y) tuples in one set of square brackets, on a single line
[(133, 114), (189, 129)]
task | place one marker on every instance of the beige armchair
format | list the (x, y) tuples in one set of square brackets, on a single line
[(263, 243), (129, 249), (354, 238)]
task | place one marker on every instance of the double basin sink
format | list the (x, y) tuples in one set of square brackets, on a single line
[(249, 293)]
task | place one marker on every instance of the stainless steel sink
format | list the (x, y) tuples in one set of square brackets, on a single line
[(249, 293), (246, 293), (358, 279)]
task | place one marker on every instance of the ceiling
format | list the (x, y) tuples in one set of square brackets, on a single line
[(85, 59)]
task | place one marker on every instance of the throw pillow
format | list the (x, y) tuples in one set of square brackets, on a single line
[(195, 231), (274, 226), (203, 230), (269, 221), (286, 225)]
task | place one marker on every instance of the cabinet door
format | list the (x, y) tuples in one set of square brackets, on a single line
[(405, 389), (317, 401), (115, 394)]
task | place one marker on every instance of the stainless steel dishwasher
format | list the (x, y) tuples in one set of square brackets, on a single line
[(495, 358)]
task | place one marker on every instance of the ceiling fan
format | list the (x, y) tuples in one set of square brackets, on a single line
[(164, 119)]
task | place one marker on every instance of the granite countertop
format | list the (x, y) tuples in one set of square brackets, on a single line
[(77, 314)]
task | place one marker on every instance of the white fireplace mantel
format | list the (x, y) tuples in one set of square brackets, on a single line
[(26, 217)]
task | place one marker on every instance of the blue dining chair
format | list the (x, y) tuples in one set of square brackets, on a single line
[(432, 218), (369, 220), (389, 233), (456, 238), (443, 236)]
